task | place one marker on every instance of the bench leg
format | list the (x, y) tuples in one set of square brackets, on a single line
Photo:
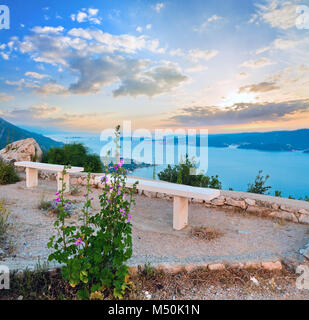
[(66, 180), (31, 178), (180, 213)]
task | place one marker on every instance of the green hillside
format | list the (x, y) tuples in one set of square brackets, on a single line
[(10, 133)]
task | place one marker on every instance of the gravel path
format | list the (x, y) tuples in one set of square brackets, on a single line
[(245, 238)]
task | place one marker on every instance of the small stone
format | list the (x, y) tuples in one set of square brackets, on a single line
[(197, 200), (285, 208), (303, 211), (216, 266), (190, 267), (250, 202), (218, 201), (236, 203), (147, 295), (160, 195), (255, 281), (270, 266), (284, 215), (275, 206), (150, 194), (20, 298), (304, 219)]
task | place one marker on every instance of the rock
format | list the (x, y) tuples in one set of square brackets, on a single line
[(252, 265), (197, 200), (216, 266), (236, 203), (303, 211), (22, 150), (275, 206), (304, 219), (285, 208), (270, 266), (150, 194), (147, 295), (160, 195), (20, 298), (284, 215), (254, 280), (140, 192), (218, 201), (250, 202)]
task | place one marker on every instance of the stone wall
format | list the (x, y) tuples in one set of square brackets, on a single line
[(242, 202)]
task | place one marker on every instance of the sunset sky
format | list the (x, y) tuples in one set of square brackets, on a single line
[(224, 65)]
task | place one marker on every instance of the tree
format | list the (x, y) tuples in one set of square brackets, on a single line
[(74, 154), (259, 184), (182, 173)]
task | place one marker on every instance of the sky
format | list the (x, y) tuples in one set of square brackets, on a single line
[(226, 66)]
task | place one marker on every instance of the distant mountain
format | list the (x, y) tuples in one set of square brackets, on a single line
[(10, 133), (266, 141)]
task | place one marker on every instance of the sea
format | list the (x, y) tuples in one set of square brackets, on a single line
[(288, 170)]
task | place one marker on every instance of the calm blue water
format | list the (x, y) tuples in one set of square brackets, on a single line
[(289, 171)]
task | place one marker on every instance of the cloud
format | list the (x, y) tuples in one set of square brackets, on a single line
[(4, 55), (35, 75), (242, 75), (156, 81), (47, 29), (282, 44), (214, 18), (196, 68), (134, 76), (148, 26), (197, 54), (158, 6), (262, 62), (87, 15), (53, 88), (278, 14), (5, 98), (23, 83), (89, 54), (239, 113), (139, 29), (260, 87)]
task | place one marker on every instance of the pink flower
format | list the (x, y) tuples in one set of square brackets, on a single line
[(120, 164), (129, 217), (79, 242), (57, 194), (122, 211), (58, 199)]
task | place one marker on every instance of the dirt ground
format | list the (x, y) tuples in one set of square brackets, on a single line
[(243, 238)]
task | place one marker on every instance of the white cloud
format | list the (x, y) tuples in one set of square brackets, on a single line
[(262, 62), (159, 6), (282, 44), (5, 98), (139, 29), (205, 24), (196, 68), (4, 55), (148, 26), (35, 75), (53, 88), (278, 14), (89, 15), (197, 54), (47, 29)]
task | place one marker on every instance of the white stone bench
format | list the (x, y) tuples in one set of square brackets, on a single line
[(32, 173), (180, 192)]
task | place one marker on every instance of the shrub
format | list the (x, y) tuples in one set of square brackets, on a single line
[(8, 174), (94, 253), (74, 154), (182, 174), (259, 184), (4, 214)]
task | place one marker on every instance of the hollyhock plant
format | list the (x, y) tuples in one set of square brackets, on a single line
[(94, 252)]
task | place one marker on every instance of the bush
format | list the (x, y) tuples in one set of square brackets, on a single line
[(75, 154), (4, 213), (8, 174), (259, 184), (182, 174)]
